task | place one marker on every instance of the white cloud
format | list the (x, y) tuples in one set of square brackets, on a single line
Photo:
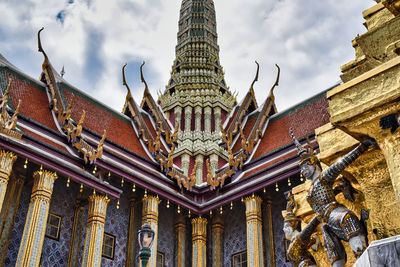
[(308, 39)]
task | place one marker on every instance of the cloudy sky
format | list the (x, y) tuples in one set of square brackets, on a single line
[(309, 39)]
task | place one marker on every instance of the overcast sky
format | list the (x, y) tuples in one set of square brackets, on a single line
[(309, 39)]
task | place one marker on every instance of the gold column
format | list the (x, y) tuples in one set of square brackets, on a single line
[(8, 213), (30, 249), (150, 215), (95, 230), (255, 257), (217, 233), (199, 237), (77, 229), (7, 160), (132, 235), (180, 243)]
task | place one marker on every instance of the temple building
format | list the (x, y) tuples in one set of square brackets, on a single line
[(207, 171)]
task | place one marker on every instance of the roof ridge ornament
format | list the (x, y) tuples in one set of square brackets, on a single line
[(8, 123), (255, 78), (146, 89)]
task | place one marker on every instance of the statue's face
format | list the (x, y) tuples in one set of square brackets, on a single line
[(307, 170), (288, 230)]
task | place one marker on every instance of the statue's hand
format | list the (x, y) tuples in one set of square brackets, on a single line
[(370, 142), (317, 243)]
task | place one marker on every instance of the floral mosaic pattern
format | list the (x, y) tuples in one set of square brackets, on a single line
[(235, 231), (166, 233), (18, 229)]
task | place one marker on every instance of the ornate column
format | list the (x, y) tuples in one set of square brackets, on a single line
[(188, 118), (95, 230), (217, 233), (180, 241), (197, 113), (207, 119), (8, 213), (199, 170), (132, 235), (77, 230), (217, 118), (30, 248), (185, 163), (214, 163), (255, 257), (178, 114), (199, 237), (7, 160), (150, 215)]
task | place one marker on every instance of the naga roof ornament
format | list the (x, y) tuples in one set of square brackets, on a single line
[(71, 129), (8, 123)]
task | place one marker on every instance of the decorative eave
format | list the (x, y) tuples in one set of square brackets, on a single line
[(62, 114), (164, 158), (249, 99), (237, 160), (8, 123)]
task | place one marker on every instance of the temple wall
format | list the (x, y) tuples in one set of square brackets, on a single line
[(235, 231), (18, 229), (56, 252), (166, 233), (117, 223)]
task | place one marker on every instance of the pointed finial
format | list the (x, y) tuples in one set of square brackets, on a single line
[(146, 89), (40, 48), (255, 78), (124, 79), (62, 72), (276, 82)]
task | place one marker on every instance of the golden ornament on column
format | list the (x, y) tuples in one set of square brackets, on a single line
[(32, 239), (95, 230), (255, 257), (7, 160), (199, 238)]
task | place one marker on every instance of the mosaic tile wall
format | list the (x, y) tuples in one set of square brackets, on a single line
[(55, 253), (117, 224), (18, 229), (166, 234), (235, 231)]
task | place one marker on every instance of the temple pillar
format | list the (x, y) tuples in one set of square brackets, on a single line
[(207, 119), (8, 213), (32, 239), (217, 119), (197, 113), (150, 215), (199, 170), (7, 160), (95, 230), (77, 230), (199, 237), (180, 241), (213, 163), (185, 163), (188, 118), (132, 234), (255, 257), (178, 115), (217, 233)]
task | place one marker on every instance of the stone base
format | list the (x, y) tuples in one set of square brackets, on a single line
[(384, 252)]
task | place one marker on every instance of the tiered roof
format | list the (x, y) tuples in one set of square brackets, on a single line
[(60, 127)]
